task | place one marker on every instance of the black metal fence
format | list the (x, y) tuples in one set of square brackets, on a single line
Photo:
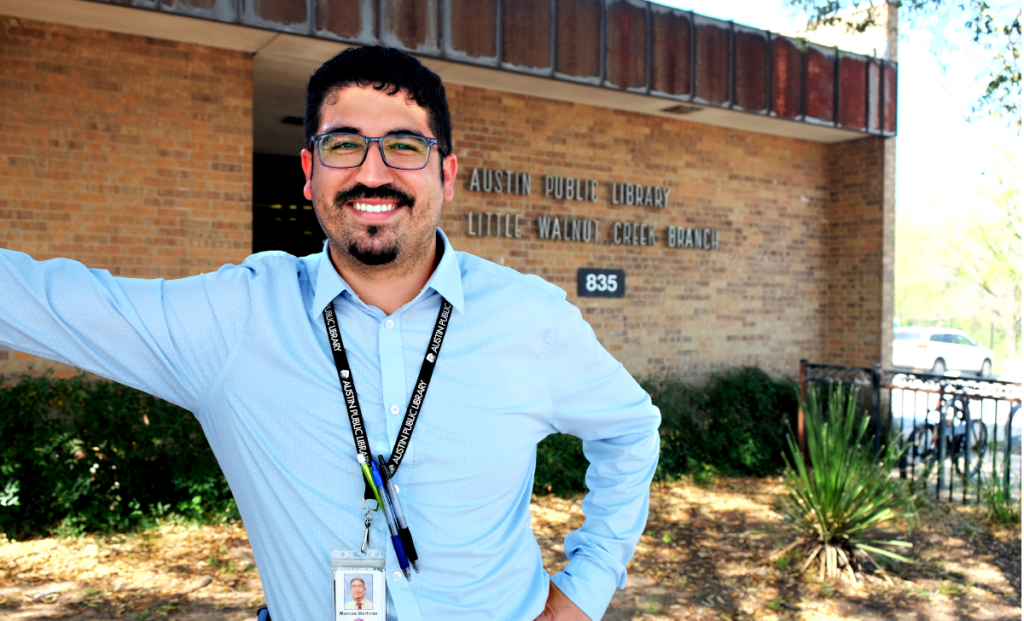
[(958, 432)]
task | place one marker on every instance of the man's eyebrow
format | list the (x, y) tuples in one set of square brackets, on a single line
[(403, 130), (346, 129)]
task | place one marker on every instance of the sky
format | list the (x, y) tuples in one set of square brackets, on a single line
[(941, 159)]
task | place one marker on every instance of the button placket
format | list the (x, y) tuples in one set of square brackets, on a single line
[(392, 361), (405, 602)]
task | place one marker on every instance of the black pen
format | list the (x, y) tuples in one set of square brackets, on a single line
[(403, 526)]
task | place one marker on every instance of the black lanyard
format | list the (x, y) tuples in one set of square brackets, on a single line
[(348, 387)]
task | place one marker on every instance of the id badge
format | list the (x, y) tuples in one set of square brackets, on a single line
[(360, 590)]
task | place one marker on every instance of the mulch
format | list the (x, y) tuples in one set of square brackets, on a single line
[(715, 552)]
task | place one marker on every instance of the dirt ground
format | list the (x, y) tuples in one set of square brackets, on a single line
[(709, 553)]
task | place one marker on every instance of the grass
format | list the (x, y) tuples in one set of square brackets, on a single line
[(998, 501)]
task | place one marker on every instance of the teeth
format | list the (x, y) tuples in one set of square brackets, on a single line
[(373, 208)]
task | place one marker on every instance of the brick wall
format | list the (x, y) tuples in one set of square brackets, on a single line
[(134, 155), (861, 249), (126, 153), (761, 298)]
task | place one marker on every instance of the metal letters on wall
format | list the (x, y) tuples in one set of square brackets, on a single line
[(583, 230)]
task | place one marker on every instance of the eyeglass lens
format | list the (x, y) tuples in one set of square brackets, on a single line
[(399, 150)]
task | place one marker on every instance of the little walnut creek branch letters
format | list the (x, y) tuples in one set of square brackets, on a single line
[(582, 230)]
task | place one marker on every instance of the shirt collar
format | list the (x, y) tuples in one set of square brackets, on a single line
[(447, 276), (446, 279)]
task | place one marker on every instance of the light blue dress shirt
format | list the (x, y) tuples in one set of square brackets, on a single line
[(245, 349)]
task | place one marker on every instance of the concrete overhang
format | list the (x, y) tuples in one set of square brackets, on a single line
[(655, 60)]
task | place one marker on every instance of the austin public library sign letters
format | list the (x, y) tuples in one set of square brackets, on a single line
[(590, 282), (584, 230)]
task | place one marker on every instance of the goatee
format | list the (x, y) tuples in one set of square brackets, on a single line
[(373, 256)]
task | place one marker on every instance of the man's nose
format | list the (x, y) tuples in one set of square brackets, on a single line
[(373, 172)]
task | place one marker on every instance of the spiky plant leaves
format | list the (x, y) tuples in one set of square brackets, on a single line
[(887, 553), (844, 493)]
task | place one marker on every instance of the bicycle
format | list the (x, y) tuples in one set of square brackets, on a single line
[(955, 410)]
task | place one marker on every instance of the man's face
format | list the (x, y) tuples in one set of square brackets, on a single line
[(358, 589), (375, 214)]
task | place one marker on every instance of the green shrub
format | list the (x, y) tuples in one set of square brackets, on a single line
[(82, 456), (736, 423), (561, 466), (845, 492)]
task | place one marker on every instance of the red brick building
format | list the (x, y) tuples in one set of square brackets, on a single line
[(741, 181)]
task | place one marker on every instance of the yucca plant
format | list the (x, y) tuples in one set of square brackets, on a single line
[(845, 493)]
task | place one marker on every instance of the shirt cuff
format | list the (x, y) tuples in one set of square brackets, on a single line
[(588, 584)]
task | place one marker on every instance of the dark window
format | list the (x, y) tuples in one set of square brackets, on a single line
[(908, 336), (282, 218)]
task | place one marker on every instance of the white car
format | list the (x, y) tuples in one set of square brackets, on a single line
[(940, 350)]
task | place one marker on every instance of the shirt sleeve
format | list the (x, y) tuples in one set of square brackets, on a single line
[(596, 399), (168, 338)]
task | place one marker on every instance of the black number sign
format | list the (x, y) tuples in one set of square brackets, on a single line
[(594, 283)]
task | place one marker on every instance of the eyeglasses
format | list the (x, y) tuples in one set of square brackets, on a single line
[(401, 151)]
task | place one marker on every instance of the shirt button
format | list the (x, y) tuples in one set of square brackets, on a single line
[(396, 576), (389, 324), (395, 409)]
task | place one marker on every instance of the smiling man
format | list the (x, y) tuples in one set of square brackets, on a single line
[(369, 176), (388, 343), (357, 587)]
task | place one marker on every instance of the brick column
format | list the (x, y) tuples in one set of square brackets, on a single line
[(861, 248)]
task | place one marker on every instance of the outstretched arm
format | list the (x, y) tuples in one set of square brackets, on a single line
[(163, 337), (595, 398)]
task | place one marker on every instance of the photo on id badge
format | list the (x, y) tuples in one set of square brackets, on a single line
[(359, 594)]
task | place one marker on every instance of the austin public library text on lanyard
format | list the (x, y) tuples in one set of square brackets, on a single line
[(378, 474)]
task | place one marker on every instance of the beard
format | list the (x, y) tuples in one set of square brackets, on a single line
[(375, 254), (382, 248)]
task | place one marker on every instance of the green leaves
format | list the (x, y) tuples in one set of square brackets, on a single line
[(9, 497), (561, 466), (734, 423), (997, 494), (844, 492), (79, 456)]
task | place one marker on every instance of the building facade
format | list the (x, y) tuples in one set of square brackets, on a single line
[(708, 194)]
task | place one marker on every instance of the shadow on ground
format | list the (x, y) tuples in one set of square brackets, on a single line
[(713, 553)]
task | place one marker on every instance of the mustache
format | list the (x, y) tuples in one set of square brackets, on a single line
[(383, 192)]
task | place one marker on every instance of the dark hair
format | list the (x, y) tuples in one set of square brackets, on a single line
[(388, 70)]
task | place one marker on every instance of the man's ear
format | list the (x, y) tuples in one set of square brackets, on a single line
[(307, 167), (449, 167)]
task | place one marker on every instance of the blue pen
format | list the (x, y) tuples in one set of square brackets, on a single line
[(391, 494), (396, 539)]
